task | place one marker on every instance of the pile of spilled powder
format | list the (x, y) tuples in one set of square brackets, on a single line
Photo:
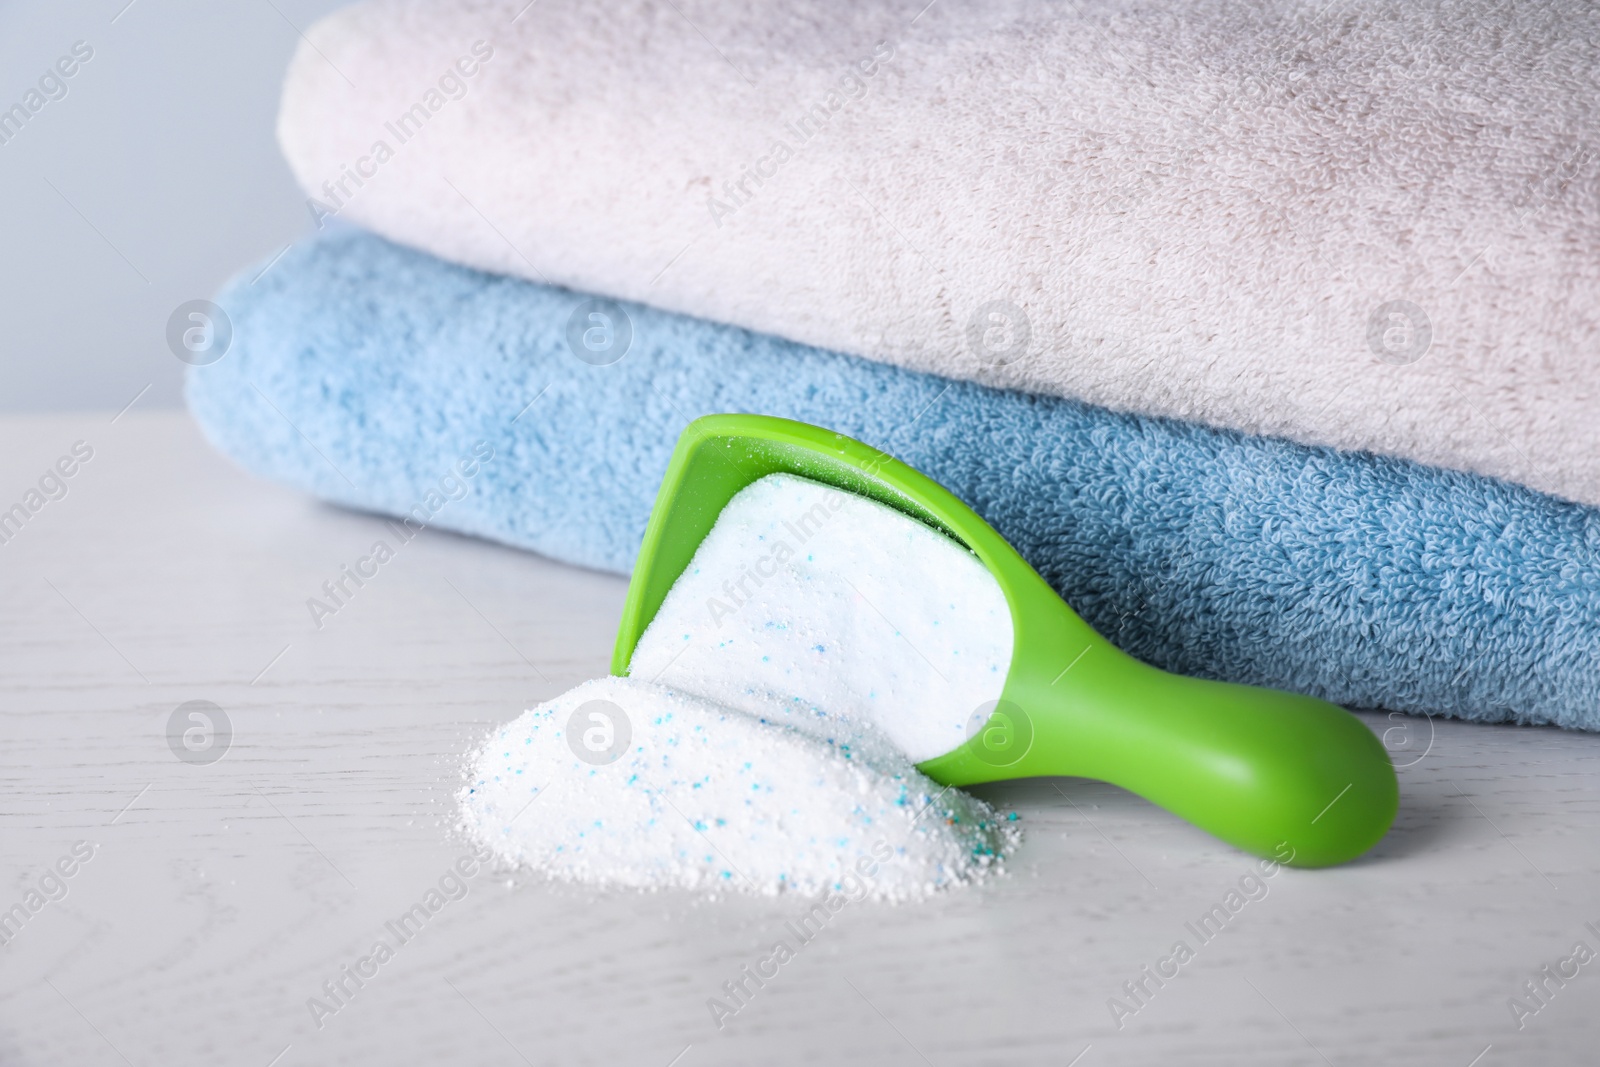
[(818, 646), (705, 797)]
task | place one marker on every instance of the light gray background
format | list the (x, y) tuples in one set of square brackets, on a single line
[(167, 181)]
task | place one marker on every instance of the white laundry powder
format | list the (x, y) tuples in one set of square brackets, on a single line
[(809, 606), (705, 797), (818, 645)]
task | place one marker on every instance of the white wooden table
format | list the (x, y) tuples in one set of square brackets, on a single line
[(220, 897)]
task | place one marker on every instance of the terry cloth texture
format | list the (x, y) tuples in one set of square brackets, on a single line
[(1371, 225), (362, 371)]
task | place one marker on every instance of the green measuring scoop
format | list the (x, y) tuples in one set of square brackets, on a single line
[(1277, 774)]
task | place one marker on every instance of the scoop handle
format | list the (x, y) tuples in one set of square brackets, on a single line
[(1278, 774)]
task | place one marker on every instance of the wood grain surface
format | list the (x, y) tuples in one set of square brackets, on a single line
[(220, 897)]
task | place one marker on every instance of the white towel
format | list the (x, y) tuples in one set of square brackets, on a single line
[(1361, 224)]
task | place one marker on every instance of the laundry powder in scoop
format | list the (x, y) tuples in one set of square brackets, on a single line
[(825, 610), (621, 782)]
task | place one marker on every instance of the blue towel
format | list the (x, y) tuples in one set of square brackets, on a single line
[(364, 373)]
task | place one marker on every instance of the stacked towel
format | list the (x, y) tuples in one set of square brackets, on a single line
[(362, 372), (1362, 226), (1367, 224)]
